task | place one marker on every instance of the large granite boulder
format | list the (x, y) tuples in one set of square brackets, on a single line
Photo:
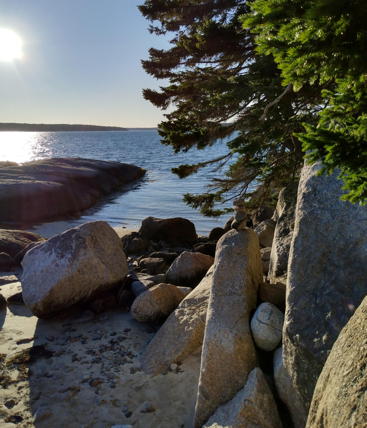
[(50, 188), (16, 242), (72, 267), (189, 268), (158, 302), (340, 396), (175, 231), (284, 217), (228, 353), (327, 274), (253, 406), (182, 333)]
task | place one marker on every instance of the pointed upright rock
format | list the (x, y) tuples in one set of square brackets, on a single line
[(228, 353), (327, 274)]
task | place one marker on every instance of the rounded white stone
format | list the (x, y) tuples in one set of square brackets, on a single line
[(266, 326)]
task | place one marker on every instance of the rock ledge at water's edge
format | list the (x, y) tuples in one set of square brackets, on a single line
[(49, 188)]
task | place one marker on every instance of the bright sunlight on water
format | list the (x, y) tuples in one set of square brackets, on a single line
[(19, 146), (159, 194)]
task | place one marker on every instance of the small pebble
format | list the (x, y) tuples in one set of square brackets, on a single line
[(10, 404)]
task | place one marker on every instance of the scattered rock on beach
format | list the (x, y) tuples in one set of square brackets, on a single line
[(158, 302), (133, 243), (252, 406), (176, 231), (206, 248), (15, 242), (228, 353), (189, 268), (153, 265), (71, 267), (183, 331), (167, 256)]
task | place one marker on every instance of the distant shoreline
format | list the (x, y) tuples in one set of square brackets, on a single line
[(43, 127)]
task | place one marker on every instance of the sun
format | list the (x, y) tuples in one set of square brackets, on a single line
[(11, 46)]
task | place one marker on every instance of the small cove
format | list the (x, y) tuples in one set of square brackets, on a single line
[(159, 194)]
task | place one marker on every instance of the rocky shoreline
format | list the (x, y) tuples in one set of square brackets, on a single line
[(163, 328), (52, 188)]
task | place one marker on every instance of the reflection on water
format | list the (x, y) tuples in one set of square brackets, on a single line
[(159, 195), (18, 146)]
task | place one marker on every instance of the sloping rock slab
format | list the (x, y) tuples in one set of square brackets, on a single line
[(228, 353), (182, 333), (50, 188), (253, 406), (327, 274), (340, 397), (72, 267)]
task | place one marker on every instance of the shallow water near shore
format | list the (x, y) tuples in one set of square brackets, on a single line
[(159, 194)]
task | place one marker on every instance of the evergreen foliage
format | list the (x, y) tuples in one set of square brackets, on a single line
[(219, 87), (323, 43)]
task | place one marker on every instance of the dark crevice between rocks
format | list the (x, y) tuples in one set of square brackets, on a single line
[(265, 361)]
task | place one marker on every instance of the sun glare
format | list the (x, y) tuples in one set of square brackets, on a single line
[(11, 46), (18, 146)]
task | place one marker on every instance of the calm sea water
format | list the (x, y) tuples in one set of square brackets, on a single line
[(159, 194)]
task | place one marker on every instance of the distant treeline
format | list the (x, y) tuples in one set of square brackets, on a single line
[(41, 127)]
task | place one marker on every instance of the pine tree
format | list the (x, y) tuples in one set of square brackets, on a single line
[(323, 43), (219, 87)]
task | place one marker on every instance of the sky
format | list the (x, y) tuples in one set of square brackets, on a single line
[(80, 64)]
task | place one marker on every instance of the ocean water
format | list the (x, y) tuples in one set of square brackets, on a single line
[(159, 194)]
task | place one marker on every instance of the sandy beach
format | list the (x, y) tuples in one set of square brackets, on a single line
[(83, 370)]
